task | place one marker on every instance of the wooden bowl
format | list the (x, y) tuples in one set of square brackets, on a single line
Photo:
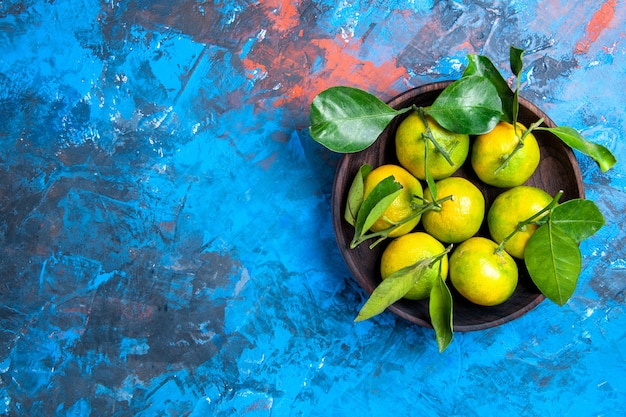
[(558, 170)]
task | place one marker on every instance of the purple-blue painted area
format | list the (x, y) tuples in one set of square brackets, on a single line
[(166, 240)]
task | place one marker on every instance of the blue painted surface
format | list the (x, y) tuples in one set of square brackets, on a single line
[(167, 246)]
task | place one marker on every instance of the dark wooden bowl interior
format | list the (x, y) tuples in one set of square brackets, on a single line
[(558, 170)]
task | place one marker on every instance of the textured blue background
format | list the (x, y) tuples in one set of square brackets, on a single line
[(166, 241)]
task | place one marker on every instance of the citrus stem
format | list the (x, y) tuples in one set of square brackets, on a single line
[(531, 220), (383, 234), (429, 135), (520, 143), (426, 262), (439, 257), (436, 203)]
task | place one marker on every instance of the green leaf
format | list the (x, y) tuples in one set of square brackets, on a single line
[(356, 194), (381, 196), (553, 260), (578, 218), (469, 105), (440, 308), (392, 288), (572, 138), (347, 119), (479, 65), (515, 59)]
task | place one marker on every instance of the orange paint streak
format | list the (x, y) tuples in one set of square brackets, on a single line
[(342, 68), (286, 16), (253, 68), (599, 21), (466, 47)]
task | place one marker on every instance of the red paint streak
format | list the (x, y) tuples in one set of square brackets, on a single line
[(262, 404), (267, 162), (599, 21), (168, 226), (136, 310)]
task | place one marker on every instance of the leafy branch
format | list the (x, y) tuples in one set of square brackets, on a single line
[(482, 66), (552, 255), (398, 284), (534, 219), (362, 212)]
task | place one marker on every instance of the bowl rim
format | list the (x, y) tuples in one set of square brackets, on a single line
[(337, 214)]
